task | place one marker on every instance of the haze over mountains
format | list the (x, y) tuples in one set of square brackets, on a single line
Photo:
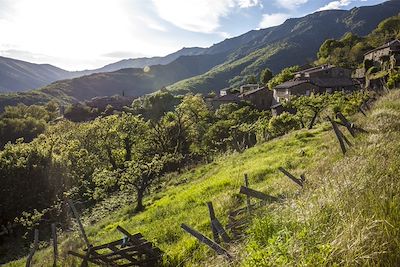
[(295, 42), (17, 75)]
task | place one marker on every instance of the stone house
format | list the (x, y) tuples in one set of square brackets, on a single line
[(316, 80), (385, 57), (217, 101), (260, 97), (292, 88), (248, 87)]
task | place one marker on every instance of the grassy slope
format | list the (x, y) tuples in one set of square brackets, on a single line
[(329, 222), (349, 212)]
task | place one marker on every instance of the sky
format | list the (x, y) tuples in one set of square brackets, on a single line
[(88, 34)]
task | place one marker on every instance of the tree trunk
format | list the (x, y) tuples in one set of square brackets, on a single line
[(313, 120), (139, 201), (128, 149), (111, 159)]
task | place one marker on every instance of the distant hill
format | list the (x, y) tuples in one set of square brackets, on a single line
[(227, 63), (132, 82), (18, 75)]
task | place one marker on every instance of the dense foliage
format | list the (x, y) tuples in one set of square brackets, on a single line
[(350, 49), (25, 122), (285, 75)]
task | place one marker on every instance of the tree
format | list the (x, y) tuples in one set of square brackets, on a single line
[(143, 172), (282, 124), (156, 105), (25, 122), (251, 79), (309, 107), (394, 80), (196, 118), (285, 75), (265, 76)]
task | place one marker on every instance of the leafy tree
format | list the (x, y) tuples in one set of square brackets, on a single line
[(309, 107), (285, 75), (156, 105), (144, 172), (265, 76), (196, 118), (394, 80), (25, 122), (283, 123), (251, 79), (80, 112)]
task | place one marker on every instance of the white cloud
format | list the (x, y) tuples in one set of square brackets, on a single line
[(269, 20), (76, 34), (199, 15), (249, 3), (290, 4), (335, 5)]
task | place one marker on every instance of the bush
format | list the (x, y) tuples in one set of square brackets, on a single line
[(394, 80)]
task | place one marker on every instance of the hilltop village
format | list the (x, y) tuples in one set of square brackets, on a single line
[(378, 64)]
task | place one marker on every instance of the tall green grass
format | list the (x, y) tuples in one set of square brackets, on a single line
[(349, 211)]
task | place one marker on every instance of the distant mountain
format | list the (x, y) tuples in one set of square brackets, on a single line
[(17, 75), (143, 62), (295, 42), (132, 82)]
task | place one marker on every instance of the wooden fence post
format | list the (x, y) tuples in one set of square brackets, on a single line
[(216, 226), (33, 250), (362, 111), (55, 249), (346, 123), (292, 177), (212, 217), (253, 193), (248, 201), (339, 135), (76, 215), (217, 248)]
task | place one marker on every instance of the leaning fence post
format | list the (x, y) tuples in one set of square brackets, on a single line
[(205, 240), (55, 249), (256, 194), (33, 250), (212, 217), (248, 201), (338, 135), (82, 230), (292, 177), (216, 226), (362, 111), (346, 123)]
